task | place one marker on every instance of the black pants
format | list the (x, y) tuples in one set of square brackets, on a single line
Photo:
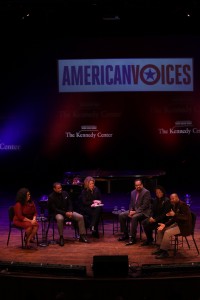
[(92, 216), (149, 228)]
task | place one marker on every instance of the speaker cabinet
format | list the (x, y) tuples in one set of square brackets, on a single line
[(110, 266)]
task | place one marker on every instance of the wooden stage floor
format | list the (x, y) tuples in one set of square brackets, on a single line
[(61, 263)]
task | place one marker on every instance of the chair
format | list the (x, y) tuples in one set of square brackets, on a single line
[(11, 214), (51, 220), (102, 223), (177, 241)]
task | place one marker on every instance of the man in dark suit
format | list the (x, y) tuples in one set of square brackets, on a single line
[(180, 222), (139, 209)]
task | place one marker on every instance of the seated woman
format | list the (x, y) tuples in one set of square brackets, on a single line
[(25, 215), (91, 205)]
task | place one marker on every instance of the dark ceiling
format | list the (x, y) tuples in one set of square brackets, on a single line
[(58, 18)]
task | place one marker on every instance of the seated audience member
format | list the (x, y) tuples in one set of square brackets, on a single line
[(180, 222), (91, 205), (139, 209), (160, 206), (60, 205), (25, 215)]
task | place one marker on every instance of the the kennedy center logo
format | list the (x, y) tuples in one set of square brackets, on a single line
[(88, 131)]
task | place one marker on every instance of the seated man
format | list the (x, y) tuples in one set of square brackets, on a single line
[(60, 205), (139, 209), (180, 223)]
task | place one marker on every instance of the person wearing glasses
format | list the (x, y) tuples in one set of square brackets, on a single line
[(139, 209)]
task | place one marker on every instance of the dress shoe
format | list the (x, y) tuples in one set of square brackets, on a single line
[(83, 239), (163, 254), (124, 237), (147, 243), (61, 242), (131, 241)]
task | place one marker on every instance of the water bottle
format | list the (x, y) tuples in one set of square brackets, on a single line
[(115, 210), (122, 209), (188, 199)]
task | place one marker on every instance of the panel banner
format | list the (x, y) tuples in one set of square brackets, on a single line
[(126, 75)]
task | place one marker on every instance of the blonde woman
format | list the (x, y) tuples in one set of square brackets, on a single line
[(91, 204)]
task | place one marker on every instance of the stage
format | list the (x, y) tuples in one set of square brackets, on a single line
[(48, 271)]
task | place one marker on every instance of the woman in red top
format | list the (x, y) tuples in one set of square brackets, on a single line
[(25, 215)]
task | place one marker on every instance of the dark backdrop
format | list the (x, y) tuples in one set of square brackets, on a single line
[(36, 116)]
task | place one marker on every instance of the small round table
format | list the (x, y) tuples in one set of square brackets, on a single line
[(43, 221)]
